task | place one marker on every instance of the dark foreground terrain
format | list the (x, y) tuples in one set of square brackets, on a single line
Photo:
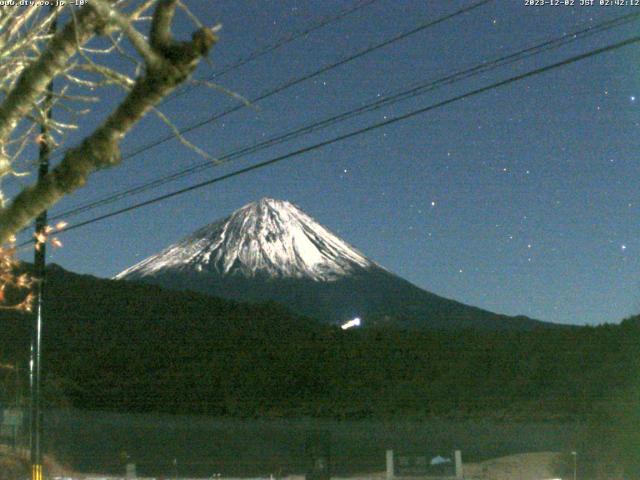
[(119, 347), (112, 345), (92, 441)]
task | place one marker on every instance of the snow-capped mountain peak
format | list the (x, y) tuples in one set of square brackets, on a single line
[(267, 237)]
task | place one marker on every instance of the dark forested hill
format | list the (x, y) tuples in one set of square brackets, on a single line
[(135, 347)]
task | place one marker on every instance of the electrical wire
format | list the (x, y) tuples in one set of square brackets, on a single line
[(412, 92), (375, 126), (296, 81), (288, 39)]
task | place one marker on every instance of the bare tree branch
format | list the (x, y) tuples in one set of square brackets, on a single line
[(110, 14), (35, 78), (101, 149)]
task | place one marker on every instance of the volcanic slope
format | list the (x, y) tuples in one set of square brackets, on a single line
[(272, 250)]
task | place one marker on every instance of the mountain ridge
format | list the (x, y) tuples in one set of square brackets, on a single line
[(139, 347), (272, 250), (269, 236)]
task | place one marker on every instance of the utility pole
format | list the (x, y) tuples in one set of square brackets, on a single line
[(35, 418)]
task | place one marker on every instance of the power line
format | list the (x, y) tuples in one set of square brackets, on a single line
[(379, 103), (309, 76), (288, 39), (292, 83), (361, 131), (323, 22)]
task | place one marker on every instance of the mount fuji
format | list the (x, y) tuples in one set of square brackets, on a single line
[(270, 250)]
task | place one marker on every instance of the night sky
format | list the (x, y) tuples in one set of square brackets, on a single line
[(521, 200)]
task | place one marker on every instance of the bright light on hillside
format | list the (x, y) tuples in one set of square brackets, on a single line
[(351, 323)]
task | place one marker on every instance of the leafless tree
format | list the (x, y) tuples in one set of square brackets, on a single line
[(78, 55)]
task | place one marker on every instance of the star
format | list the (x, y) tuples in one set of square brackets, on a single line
[(632, 98), (623, 247)]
